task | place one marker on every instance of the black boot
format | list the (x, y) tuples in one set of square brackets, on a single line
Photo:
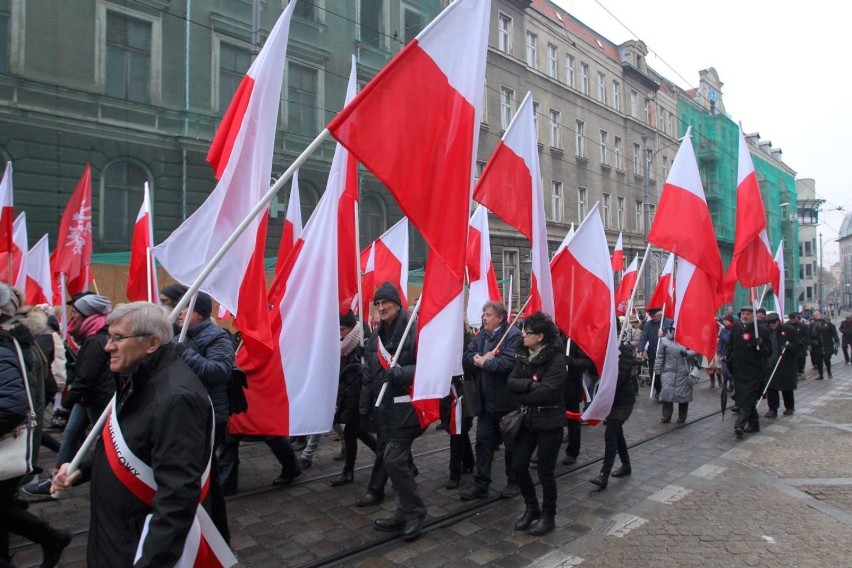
[(623, 471), (542, 526), (345, 477), (601, 480), (53, 547), (531, 513)]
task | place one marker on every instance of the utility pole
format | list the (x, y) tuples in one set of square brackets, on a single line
[(819, 272), (646, 190)]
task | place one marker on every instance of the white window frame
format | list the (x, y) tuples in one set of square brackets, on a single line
[(604, 148), (637, 160), (515, 267), (580, 139), (616, 95), (384, 39), (532, 49), (507, 108), (218, 40), (640, 217), (619, 151), (285, 89), (582, 196), (557, 197), (672, 131), (535, 122), (504, 35), (155, 71), (619, 212), (601, 88), (555, 119), (569, 71), (553, 61), (606, 203), (647, 108), (634, 104), (584, 78)]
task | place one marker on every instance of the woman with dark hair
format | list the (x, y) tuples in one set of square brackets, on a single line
[(538, 381)]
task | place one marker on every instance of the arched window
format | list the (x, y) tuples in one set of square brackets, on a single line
[(373, 218), (121, 187)]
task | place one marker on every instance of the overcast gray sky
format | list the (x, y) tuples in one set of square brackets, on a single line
[(784, 69)]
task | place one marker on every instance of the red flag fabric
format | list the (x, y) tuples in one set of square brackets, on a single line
[(582, 277), (368, 280), (683, 224), (753, 263), (7, 212), (347, 236), (290, 233), (695, 309), (142, 273), (626, 286), (73, 253), (390, 259), (663, 296), (39, 289), (17, 262), (433, 88), (618, 253), (482, 281), (778, 288), (510, 186)]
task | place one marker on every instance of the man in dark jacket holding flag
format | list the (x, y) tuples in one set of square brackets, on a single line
[(396, 418), (786, 344), (747, 353)]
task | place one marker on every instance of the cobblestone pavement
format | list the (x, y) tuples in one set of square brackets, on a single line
[(697, 497)]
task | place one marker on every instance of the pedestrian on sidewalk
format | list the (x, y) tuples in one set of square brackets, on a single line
[(747, 355), (824, 343), (804, 334), (846, 338), (673, 366), (784, 338)]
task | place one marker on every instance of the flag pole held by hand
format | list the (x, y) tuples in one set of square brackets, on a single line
[(633, 294), (511, 325), (772, 376), (399, 348)]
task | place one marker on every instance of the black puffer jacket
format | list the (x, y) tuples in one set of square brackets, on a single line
[(396, 418), (94, 384), (165, 417), (539, 385), (210, 354), (13, 397), (625, 396), (492, 376), (349, 387)]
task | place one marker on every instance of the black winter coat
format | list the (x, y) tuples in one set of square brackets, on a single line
[(747, 357), (13, 396), (823, 337), (94, 383), (349, 387), (539, 385), (785, 375), (490, 379), (210, 354), (166, 419), (396, 418), (578, 363)]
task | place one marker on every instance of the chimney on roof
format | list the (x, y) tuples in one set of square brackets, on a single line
[(753, 138), (776, 154), (766, 146)]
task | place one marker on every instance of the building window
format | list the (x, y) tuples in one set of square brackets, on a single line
[(601, 88), (569, 70), (535, 123), (637, 167), (302, 99), (371, 24), (652, 210), (373, 217), (307, 10), (580, 139), (484, 117), (584, 78), (604, 148), (556, 199), (638, 225), (532, 50), (412, 23), (605, 206), (581, 203), (619, 150), (5, 34), (511, 270), (507, 104), (128, 57), (665, 167), (234, 61), (555, 139), (808, 249), (616, 95), (647, 108), (552, 61), (619, 212), (122, 184), (504, 33), (808, 272), (480, 167), (671, 124), (634, 97)]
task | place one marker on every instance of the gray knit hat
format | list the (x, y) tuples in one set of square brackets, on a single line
[(93, 304)]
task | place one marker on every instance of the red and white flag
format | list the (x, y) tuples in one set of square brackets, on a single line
[(293, 390), (142, 273), (481, 278), (73, 253), (7, 211), (416, 126), (582, 280), (510, 186), (389, 261), (456, 425), (16, 259), (682, 224), (626, 286), (39, 289), (695, 311), (779, 288), (368, 280), (618, 253), (290, 233), (562, 245), (348, 247), (752, 263), (663, 296), (241, 155)]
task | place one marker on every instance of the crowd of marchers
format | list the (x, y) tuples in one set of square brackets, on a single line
[(164, 460)]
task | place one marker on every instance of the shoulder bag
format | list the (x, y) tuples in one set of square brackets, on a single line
[(510, 424), (16, 446)]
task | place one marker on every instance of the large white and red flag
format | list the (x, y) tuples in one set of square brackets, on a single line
[(481, 278), (626, 286), (368, 280), (416, 126), (293, 390), (695, 312), (663, 296), (142, 273), (290, 233), (582, 280), (618, 253), (39, 289), (388, 261), (7, 211), (779, 288), (510, 186), (568, 236), (241, 154), (16, 259), (752, 263), (73, 253)]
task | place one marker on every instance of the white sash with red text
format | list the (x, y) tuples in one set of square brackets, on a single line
[(204, 546)]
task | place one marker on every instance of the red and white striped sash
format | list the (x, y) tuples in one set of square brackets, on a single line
[(456, 412), (204, 546)]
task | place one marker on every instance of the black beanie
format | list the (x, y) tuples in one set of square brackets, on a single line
[(174, 292), (203, 305), (387, 291), (348, 320)]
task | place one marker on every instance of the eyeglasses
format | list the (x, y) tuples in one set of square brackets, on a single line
[(119, 338)]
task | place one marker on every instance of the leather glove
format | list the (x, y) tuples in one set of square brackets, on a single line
[(61, 412), (393, 375)]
